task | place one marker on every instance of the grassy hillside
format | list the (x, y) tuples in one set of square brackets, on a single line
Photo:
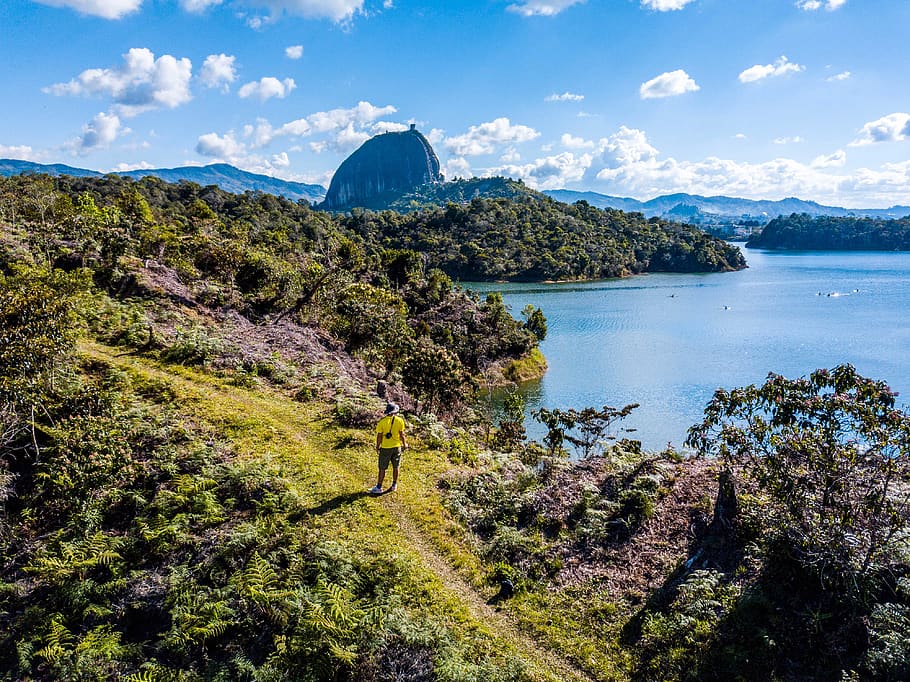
[(189, 382)]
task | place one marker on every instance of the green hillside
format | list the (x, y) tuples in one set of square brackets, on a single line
[(189, 384)]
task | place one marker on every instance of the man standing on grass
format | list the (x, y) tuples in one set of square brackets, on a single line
[(390, 441)]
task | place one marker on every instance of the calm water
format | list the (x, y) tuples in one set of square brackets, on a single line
[(668, 341)]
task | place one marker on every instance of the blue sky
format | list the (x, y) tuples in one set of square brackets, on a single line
[(750, 98)]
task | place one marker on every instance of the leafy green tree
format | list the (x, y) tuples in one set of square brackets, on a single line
[(434, 375), (588, 429), (831, 454), (535, 322)]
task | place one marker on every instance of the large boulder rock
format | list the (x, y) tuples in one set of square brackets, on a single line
[(382, 169)]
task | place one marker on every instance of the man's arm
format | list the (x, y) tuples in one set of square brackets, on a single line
[(378, 440), (404, 441)]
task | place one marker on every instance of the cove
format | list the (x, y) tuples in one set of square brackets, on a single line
[(667, 341)]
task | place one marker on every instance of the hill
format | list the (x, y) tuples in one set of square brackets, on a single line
[(382, 169), (226, 177), (721, 206), (189, 386), (802, 231), (530, 237)]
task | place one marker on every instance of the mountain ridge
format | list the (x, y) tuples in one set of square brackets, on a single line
[(225, 176), (233, 179), (721, 205)]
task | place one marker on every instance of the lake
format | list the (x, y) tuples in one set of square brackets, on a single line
[(667, 341)]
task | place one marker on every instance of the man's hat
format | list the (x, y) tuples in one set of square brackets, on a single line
[(391, 408)]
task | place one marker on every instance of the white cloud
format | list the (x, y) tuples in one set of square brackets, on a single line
[(551, 172), (668, 84), (143, 83), (326, 121), (293, 51), (99, 133), (197, 6), (542, 8), (218, 71), (564, 97), (844, 75), (665, 5), (335, 10), (229, 149), (626, 164), (458, 168), (836, 160), (436, 136), (740, 136), (126, 167), (779, 68), (21, 152), (511, 155), (891, 128), (486, 137), (388, 127), (571, 142), (106, 9), (812, 5), (268, 87), (224, 147), (788, 140)]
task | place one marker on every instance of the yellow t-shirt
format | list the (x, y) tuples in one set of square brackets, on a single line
[(393, 424)]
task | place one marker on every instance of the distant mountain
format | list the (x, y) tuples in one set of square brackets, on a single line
[(721, 206), (382, 169), (228, 178)]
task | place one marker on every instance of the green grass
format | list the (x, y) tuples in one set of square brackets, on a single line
[(329, 469)]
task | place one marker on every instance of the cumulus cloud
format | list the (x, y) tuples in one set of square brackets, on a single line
[(388, 127), (486, 137), (550, 172), (627, 164), (126, 167), (99, 133), (812, 5), (891, 128), (220, 146), (836, 160), (668, 84), (218, 71), (788, 140), (197, 6), (844, 75), (564, 97), (293, 51), (141, 84), (665, 5), (268, 87), (542, 8), (761, 71), (571, 142), (21, 152), (230, 149), (106, 9), (334, 10)]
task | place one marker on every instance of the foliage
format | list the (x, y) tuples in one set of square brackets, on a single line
[(802, 231), (832, 454), (530, 237), (588, 430)]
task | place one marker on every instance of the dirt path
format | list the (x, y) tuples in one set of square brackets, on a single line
[(497, 620), (290, 422)]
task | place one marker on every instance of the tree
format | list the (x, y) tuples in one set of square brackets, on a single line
[(587, 429), (535, 322), (830, 454)]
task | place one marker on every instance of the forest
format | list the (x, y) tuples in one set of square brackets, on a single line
[(801, 231), (189, 385)]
